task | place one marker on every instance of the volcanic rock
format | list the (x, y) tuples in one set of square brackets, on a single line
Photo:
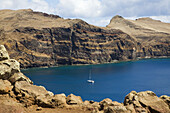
[(30, 94), (3, 53), (74, 100), (38, 39), (146, 102), (166, 99), (5, 86), (59, 100)]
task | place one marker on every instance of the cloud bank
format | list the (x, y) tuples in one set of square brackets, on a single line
[(98, 12)]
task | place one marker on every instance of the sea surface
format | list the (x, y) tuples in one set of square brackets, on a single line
[(112, 81)]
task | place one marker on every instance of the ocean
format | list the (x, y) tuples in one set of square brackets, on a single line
[(112, 81)]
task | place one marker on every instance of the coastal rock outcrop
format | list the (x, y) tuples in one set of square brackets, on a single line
[(73, 100), (5, 87), (3, 53), (146, 102)]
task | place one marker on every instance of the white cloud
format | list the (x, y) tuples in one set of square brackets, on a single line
[(79, 8), (97, 12), (37, 5)]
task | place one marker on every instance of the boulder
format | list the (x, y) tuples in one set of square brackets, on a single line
[(31, 94), (19, 77), (44, 101), (3, 53), (59, 100), (166, 99), (110, 106), (5, 87), (74, 100), (8, 68), (116, 109), (105, 103), (146, 102), (33, 90)]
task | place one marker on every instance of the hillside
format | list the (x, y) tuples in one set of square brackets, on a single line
[(144, 30), (38, 39)]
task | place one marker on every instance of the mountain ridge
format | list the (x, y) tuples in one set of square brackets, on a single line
[(38, 39)]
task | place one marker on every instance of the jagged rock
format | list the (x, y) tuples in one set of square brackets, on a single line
[(44, 101), (146, 102), (8, 68), (3, 53), (116, 109), (166, 99), (19, 77), (105, 103), (73, 100), (59, 100), (5, 86), (31, 93)]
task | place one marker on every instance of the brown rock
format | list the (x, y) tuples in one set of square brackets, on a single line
[(105, 103), (61, 41), (8, 68), (74, 100), (44, 101), (150, 100), (19, 77), (5, 86), (33, 90), (30, 94), (166, 99), (3, 53), (59, 100), (146, 102), (116, 109)]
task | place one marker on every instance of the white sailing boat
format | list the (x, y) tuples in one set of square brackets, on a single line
[(90, 80)]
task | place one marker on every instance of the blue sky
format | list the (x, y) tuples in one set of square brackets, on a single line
[(97, 12)]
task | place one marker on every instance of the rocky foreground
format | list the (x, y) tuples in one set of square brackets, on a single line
[(37, 39), (19, 95)]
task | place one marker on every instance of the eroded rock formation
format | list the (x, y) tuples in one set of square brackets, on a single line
[(37, 39), (18, 94)]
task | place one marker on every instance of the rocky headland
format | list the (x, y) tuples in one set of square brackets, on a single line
[(37, 39), (19, 95)]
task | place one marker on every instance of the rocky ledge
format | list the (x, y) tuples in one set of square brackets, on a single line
[(19, 95)]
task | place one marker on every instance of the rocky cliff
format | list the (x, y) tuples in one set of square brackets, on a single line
[(19, 95), (38, 39)]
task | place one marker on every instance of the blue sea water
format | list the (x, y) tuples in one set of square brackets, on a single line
[(112, 81)]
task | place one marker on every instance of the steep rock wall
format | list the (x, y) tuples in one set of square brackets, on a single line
[(72, 42)]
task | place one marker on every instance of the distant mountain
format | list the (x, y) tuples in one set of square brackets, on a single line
[(38, 39), (145, 30)]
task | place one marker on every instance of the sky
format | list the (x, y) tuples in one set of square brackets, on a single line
[(96, 12)]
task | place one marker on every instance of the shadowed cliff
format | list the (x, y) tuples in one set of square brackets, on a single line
[(38, 39)]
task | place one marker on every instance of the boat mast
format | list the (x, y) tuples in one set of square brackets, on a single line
[(90, 75)]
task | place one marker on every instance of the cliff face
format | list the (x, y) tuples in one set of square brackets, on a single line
[(37, 39)]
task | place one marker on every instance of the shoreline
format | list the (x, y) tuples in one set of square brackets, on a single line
[(123, 61)]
